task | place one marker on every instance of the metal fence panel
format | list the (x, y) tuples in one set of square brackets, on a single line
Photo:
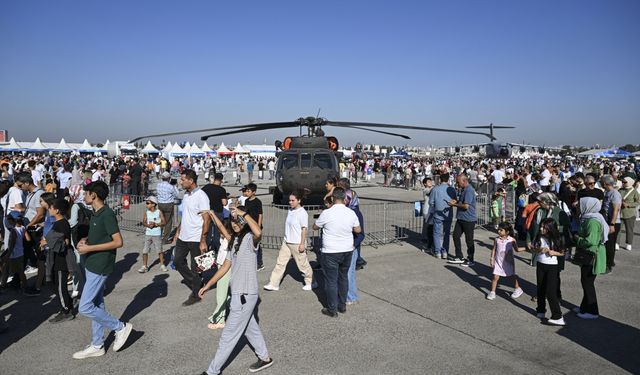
[(384, 222)]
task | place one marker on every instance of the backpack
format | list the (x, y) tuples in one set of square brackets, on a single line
[(81, 229)]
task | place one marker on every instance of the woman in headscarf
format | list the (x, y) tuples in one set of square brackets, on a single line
[(592, 235)]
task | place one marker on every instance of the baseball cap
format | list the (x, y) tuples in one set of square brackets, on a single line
[(16, 215), (152, 199), (628, 180)]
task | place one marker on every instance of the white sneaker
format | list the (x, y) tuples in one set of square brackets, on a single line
[(491, 296), (628, 248), (29, 270), (588, 316), (121, 336), (143, 269), (540, 315), (306, 287), (271, 287), (617, 246), (517, 293), (88, 352), (556, 322), (164, 268)]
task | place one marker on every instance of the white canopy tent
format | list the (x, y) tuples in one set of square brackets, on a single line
[(11, 146), (149, 149), (176, 150), (194, 150), (240, 150), (38, 146), (63, 147), (206, 149)]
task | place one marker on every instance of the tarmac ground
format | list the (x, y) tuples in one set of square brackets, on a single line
[(417, 315)]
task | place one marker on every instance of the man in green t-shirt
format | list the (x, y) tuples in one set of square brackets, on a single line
[(99, 250)]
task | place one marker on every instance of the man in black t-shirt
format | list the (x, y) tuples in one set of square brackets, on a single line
[(217, 200), (591, 190), (253, 207)]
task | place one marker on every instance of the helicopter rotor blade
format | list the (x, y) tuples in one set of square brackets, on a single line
[(393, 126), (250, 128), (262, 126), (380, 131)]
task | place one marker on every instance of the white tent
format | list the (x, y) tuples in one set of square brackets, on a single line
[(263, 151), (86, 147), (12, 146), (194, 150), (168, 147), (206, 149), (38, 146), (176, 150), (223, 150), (240, 150), (63, 146), (149, 149)]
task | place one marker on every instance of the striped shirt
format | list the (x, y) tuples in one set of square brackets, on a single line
[(167, 193), (244, 278)]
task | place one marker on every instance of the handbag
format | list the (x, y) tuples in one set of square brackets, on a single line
[(206, 261), (583, 258)]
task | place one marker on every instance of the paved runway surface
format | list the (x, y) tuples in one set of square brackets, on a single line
[(417, 315)]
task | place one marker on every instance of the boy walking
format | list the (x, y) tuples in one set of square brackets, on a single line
[(100, 251), (153, 220)]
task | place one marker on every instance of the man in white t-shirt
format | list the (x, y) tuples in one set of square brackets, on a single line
[(191, 236), (546, 179), (12, 201), (64, 176), (338, 224)]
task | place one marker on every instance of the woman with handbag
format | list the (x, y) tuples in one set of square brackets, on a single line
[(241, 263), (590, 254)]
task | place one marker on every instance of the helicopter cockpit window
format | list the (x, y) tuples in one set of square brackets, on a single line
[(322, 161), (288, 161), (305, 161)]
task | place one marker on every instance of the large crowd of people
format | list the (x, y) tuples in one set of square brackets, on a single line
[(57, 225)]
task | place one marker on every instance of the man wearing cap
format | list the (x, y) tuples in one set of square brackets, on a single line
[(253, 207), (217, 200), (167, 195), (191, 236)]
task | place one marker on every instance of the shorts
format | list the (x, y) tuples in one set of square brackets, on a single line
[(152, 242), (15, 265)]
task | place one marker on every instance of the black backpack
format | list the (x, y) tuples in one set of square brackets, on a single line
[(81, 229)]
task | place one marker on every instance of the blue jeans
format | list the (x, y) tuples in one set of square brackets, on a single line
[(440, 244), (213, 236), (92, 306), (336, 284), (352, 294)]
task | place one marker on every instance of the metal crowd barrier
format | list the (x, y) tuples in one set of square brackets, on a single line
[(384, 223)]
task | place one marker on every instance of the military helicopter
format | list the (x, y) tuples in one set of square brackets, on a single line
[(306, 161), (501, 150)]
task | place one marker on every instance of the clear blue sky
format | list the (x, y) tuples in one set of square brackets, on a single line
[(561, 71)]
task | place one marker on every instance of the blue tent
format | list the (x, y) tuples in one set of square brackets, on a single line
[(615, 153)]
